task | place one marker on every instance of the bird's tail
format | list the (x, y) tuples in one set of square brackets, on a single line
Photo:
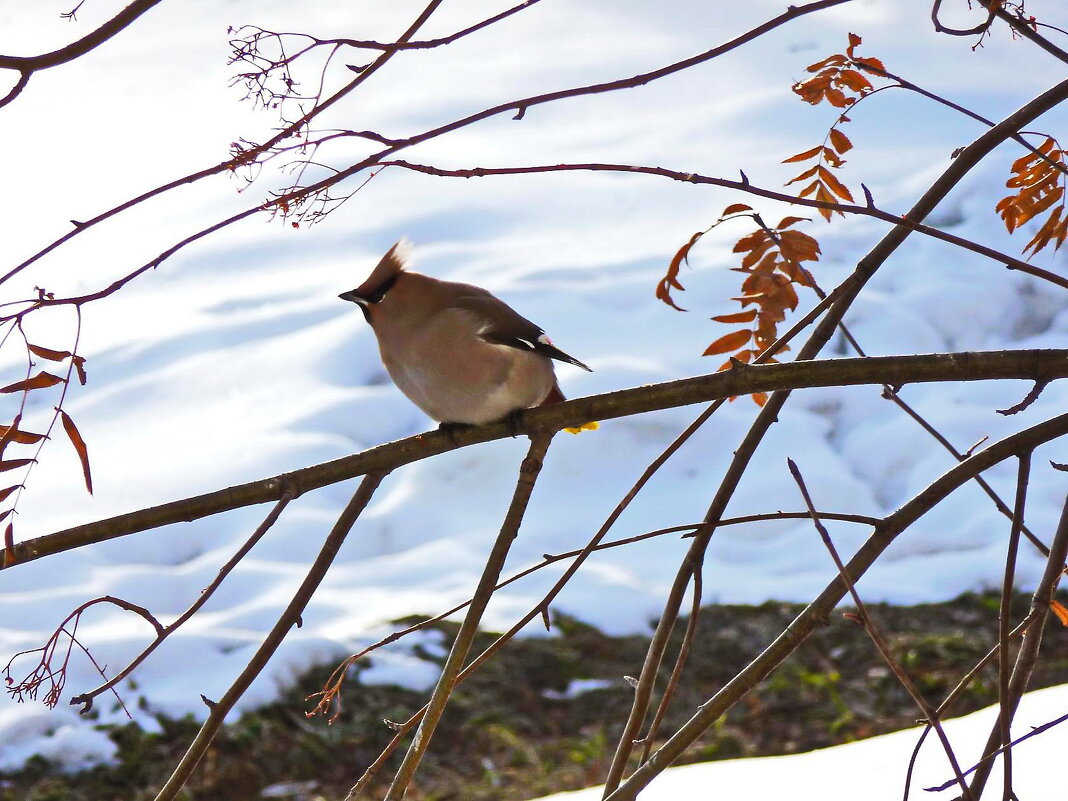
[(556, 396)]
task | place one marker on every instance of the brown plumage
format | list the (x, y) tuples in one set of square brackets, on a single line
[(459, 353)]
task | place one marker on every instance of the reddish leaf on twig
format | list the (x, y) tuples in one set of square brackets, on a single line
[(12, 464), (671, 278), (79, 365), (79, 445), (729, 342), (12, 434), (4, 493), (740, 317), (48, 353), (735, 208), (40, 381)]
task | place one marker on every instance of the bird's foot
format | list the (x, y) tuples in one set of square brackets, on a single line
[(451, 430), (514, 422)]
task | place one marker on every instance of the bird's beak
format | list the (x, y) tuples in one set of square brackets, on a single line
[(353, 297)]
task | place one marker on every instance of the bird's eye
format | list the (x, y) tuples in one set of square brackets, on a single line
[(378, 294)]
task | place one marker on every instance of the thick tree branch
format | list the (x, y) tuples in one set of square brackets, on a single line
[(977, 366)]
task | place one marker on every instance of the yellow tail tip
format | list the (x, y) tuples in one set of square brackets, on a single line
[(581, 428)]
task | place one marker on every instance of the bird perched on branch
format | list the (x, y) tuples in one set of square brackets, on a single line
[(458, 353)]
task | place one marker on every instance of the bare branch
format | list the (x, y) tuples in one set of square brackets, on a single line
[(295, 127), (815, 612), (1005, 614), (85, 700), (288, 619), (528, 476), (877, 637), (867, 210), (1024, 364), (1028, 653), (121, 21)]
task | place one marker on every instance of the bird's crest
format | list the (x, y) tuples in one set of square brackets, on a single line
[(396, 259)]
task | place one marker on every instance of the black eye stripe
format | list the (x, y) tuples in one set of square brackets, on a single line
[(378, 294)]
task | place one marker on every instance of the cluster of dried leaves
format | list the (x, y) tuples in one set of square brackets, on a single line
[(1039, 180), (13, 434), (772, 260)]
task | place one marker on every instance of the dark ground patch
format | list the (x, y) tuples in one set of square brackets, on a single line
[(508, 734)]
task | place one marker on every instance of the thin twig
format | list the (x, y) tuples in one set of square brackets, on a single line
[(876, 635), (86, 699), (92, 40), (1005, 614), (1004, 750), (953, 695), (680, 664), (1029, 647), (528, 476), (803, 625), (868, 210), (289, 618), (640, 79)]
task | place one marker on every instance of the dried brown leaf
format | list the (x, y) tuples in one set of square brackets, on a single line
[(805, 156), (40, 381), (79, 365), (79, 445), (729, 342), (48, 353), (739, 317), (735, 208), (1060, 610), (835, 185), (21, 437), (14, 464), (839, 141)]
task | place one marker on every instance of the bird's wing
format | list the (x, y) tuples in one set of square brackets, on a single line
[(502, 325)]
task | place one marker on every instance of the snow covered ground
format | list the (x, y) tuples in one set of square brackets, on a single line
[(875, 768), (235, 360)]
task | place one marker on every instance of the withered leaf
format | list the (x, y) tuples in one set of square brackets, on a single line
[(739, 317), (12, 464), (79, 365), (729, 342), (735, 208), (22, 437), (805, 156), (79, 445), (840, 141), (48, 353), (40, 381)]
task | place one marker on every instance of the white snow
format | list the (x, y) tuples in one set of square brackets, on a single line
[(234, 360), (874, 769)]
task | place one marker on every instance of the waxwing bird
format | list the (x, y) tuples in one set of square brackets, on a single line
[(458, 353)]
